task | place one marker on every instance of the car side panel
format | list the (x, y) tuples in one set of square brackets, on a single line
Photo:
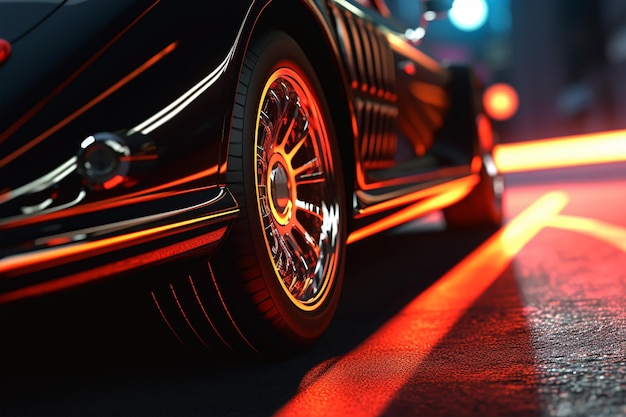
[(165, 90)]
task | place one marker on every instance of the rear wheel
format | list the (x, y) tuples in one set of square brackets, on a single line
[(275, 283), (482, 207)]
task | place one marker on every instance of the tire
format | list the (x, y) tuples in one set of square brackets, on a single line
[(482, 207), (274, 285)]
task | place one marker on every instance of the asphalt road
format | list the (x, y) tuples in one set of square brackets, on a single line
[(529, 321)]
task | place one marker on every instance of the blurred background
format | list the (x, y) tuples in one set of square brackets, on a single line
[(564, 59)]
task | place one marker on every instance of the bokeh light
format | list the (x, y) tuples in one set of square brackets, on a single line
[(500, 101), (469, 15)]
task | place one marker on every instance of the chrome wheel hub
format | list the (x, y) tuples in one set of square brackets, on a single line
[(281, 198), (298, 204)]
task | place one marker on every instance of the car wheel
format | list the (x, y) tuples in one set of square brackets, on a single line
[(274, 284), (482, 207)]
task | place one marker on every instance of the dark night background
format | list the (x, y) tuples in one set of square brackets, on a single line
[(565, 58)]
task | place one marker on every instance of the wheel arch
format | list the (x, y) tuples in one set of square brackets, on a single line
[(315, 34)]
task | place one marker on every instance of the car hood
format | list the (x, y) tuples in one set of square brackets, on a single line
[(17, 17)]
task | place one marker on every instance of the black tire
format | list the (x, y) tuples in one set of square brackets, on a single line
[(482, 207), (274, 285)]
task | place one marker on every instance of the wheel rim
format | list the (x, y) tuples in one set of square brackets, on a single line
[(296, 191)]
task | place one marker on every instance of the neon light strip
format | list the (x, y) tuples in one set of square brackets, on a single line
[(450, 193), (92, 248), (104, 271), (587, 149)]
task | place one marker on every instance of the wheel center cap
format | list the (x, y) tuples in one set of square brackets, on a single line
[(280, 190)]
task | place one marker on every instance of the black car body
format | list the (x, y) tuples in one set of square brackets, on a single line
[(143, 133)]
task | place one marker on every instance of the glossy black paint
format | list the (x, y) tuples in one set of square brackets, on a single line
[(85, 51), (106, 67), (161, 75)]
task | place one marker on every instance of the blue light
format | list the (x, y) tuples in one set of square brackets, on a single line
[(469, 15)]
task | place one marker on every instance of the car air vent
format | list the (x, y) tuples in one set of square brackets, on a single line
[(369, 60)]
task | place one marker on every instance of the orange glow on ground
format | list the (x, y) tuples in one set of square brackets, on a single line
[(605, 232), (340, 389), (500, 101), (595, 148)]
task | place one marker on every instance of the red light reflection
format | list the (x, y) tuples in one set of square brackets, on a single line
[(5, 50), (4, 135), (119, 84), (116, 180), (340, 390)]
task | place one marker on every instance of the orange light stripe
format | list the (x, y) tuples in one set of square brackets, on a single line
[(9, 158), (595, 148), (4, 135), (342, 391), (123, 200), (84, 249), (105, 271), (609, 233), (444, 194)]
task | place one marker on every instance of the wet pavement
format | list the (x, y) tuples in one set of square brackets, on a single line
[(527, 321)]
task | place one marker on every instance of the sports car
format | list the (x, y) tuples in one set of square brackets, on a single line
[(231, 149)]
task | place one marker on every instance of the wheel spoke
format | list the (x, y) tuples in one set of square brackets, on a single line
[(313, 178), (298, 284), (298, 252), (307, 166), (312, 244), (305, 286), (290, 117), (266, 123), (309, 209), (295, 188), (291, 154)]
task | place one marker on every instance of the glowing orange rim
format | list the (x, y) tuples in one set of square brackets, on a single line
[(298, 206)]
